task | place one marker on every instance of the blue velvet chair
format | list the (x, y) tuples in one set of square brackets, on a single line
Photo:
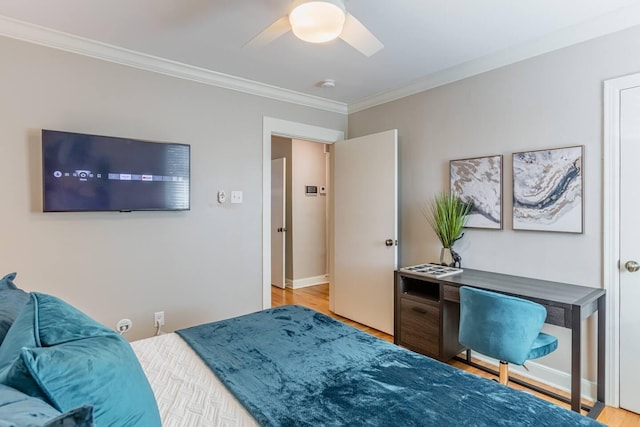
[(503, 327)]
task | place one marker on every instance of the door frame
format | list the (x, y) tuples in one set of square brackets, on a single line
[(611, 229), (270, 127)]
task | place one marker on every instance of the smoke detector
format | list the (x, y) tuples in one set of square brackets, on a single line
[(327, 83)]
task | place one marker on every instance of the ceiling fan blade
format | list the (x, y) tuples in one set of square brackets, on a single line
[(359, 37), (273, 31)]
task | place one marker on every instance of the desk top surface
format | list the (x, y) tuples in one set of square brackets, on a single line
[(543, 290)]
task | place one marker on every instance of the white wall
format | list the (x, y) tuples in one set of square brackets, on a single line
[(309, 213), (306, 246), (553, 100), (197, 266)]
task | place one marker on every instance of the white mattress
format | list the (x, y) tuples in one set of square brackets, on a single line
[(187, 392)]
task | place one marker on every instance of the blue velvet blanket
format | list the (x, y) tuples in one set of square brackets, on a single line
[(292, 366)]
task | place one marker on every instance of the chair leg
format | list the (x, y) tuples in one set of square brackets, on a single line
[(504, 373)]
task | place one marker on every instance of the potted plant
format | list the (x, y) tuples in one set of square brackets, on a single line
[(447, 215)]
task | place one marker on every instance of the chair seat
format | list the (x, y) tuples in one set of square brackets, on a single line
[(543, 345)]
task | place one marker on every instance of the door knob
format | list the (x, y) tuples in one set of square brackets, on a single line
[(632, 266), (388, 242)]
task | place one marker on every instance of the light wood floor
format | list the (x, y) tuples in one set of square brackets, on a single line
[(317, 298)]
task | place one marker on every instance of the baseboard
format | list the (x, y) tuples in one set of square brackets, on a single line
[(546, 375), (307, 281)]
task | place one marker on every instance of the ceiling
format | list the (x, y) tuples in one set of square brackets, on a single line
[(427, 42)]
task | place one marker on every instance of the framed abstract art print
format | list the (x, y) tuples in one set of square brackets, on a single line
[(478, 181), (548, 190)]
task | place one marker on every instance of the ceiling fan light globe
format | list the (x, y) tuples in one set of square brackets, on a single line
[(317, 21)]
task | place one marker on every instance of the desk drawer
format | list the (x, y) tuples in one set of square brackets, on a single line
[(451, 293), (557, 316), (420, 326)]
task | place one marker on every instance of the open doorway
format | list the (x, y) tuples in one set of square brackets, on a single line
[(363, 226), (278, 127), (299, 212)]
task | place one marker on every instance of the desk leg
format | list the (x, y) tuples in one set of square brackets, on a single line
[(602, 316), (576, 372)]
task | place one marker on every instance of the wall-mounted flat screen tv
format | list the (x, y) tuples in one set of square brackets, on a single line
[(101, 173)]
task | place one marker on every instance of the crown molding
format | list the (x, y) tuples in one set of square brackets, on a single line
[(612, 22), (36, 34), (619, 20)]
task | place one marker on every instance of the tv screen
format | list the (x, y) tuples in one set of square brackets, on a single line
[(100, 173)]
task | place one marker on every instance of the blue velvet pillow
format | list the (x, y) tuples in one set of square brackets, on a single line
[(12, 300), (100, 371), (20, 334), (18, 409), (71, 360), (46, 321), (79, 417), (7, 281)]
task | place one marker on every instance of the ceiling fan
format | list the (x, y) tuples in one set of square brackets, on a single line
[(319, 21)]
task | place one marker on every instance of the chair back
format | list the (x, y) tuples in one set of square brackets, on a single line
[(497, 325)]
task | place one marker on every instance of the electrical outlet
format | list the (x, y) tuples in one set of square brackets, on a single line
[(123, 326), (236, 197), (158, 318)]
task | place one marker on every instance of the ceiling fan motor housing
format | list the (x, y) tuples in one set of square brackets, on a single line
[(317, 21)]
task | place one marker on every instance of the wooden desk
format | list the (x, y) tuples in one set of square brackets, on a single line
[(427, 315)]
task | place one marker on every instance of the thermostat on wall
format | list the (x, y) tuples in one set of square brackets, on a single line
[(311, 190)]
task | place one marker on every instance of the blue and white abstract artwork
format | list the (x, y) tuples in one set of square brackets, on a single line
[(479, 181), (547, 190)]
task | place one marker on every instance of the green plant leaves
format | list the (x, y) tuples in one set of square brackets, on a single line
[(447, 215)]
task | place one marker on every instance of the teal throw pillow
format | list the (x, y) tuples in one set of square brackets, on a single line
[(99, 371), (79, 417), (70, 360), (7, 282), (21, 334), (12, 300), (19, 410), (46, 321)]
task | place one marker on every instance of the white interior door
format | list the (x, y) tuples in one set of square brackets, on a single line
[(629, 248), (365, 219), (278, 211)]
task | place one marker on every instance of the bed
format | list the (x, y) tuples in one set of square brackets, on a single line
[(284, 366)]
